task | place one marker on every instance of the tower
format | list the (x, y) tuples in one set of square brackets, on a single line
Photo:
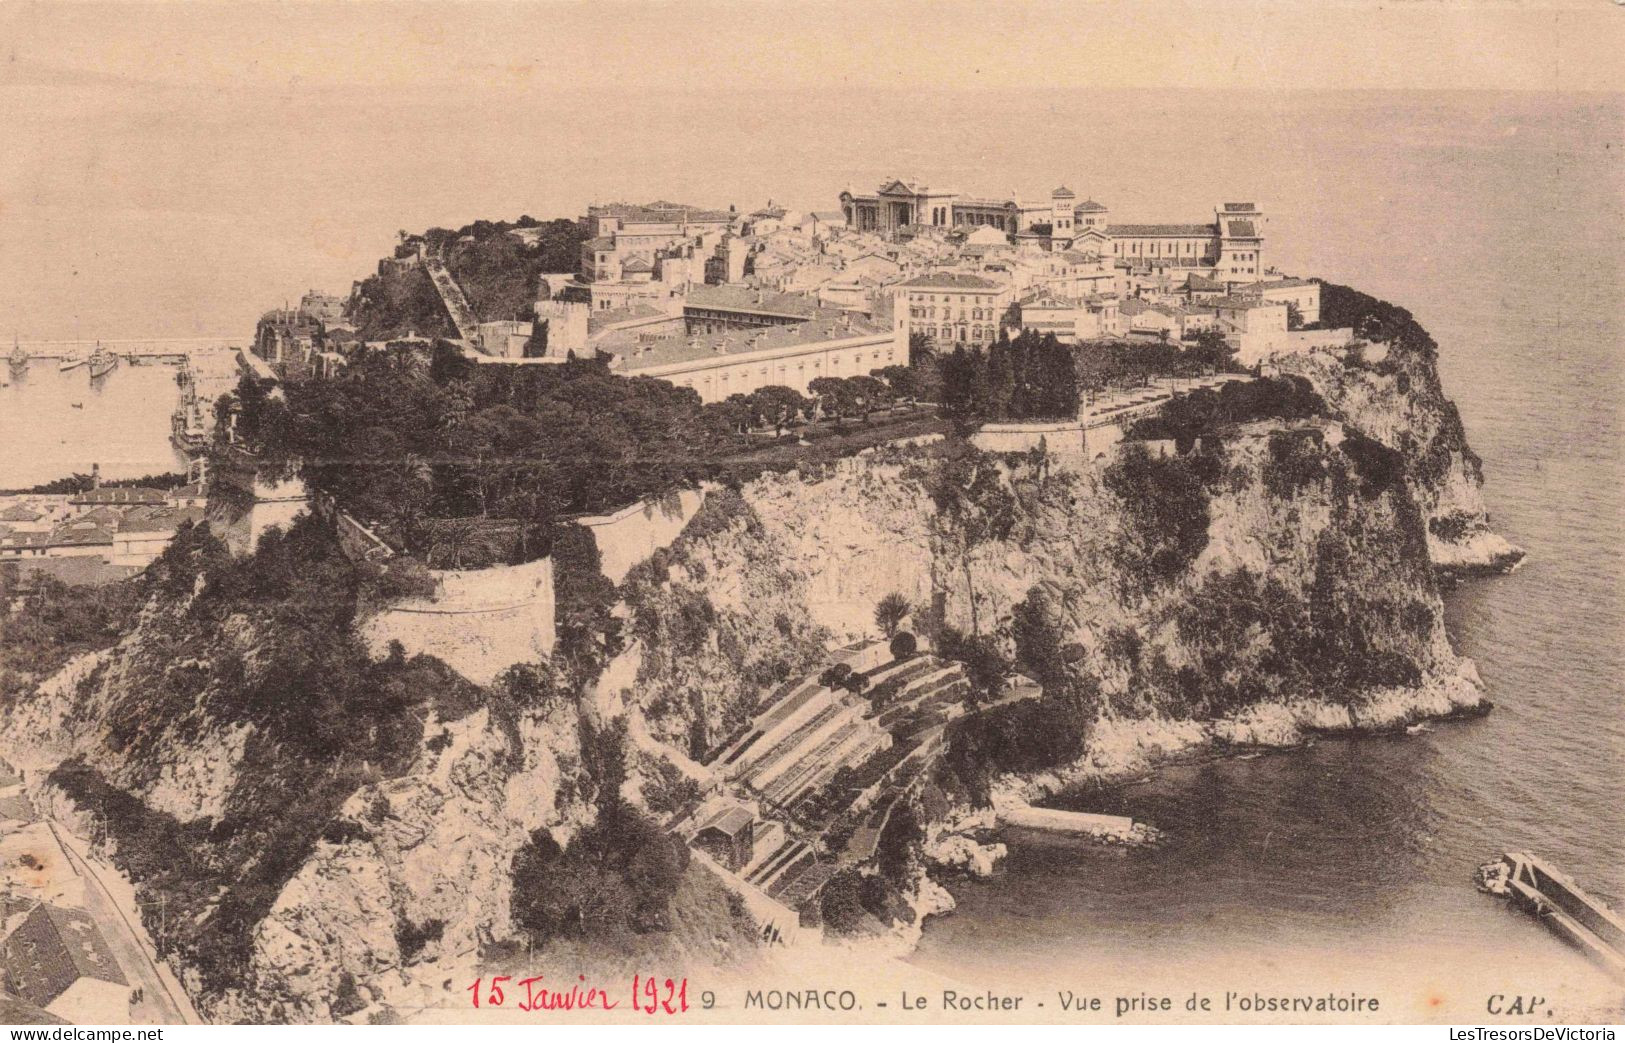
[(1061, 217)]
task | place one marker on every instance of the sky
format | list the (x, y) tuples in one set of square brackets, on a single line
[(174, 169)]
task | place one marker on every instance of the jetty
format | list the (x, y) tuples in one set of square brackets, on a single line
[(1118, 828), (1552, 897)]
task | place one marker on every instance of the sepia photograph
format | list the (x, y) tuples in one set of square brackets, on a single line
[(920, 514)]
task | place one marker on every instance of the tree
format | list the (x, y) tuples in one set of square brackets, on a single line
[(1294, 317), (841, 903), (1212, 351), (460, 543), (835, 396), (901, 381), (903, 645), (890, 613), (777, 405)]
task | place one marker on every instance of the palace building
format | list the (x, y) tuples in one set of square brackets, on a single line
[(1231, 246)]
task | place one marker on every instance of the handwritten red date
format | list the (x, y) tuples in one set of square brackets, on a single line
[(649, 995)]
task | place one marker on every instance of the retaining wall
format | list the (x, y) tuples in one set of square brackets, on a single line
[(478, 621), (1061, 438), (632, 534)]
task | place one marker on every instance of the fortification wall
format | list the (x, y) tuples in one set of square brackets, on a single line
[(633, 533), (258, 504), (1061, 438), (479, 621)]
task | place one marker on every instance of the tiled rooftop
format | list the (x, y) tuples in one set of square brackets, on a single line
[(1155, 230), (830, 325)]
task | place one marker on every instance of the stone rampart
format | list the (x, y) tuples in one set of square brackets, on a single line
[(478, 621)]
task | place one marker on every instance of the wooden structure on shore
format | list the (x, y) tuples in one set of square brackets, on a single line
[(1551, 896)]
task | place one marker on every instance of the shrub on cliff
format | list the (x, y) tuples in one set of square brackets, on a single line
[(1165, 508), (55, 622), (616, 876), (1293, 461), (588, 636), (1378, 466), (1206, 411)]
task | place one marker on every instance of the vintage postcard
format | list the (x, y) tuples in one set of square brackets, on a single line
[(553, 514)]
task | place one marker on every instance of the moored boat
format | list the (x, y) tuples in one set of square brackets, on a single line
[(19, 357), (102, 362), (70, 362)]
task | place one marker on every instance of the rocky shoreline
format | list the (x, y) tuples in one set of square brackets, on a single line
[(1480, 553), (1122, 751)]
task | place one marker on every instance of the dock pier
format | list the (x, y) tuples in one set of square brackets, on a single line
[(1552, 897), (1119, 828)]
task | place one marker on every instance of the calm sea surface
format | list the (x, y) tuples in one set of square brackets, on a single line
[(1496, 218), (54, 422), (1502, 228)]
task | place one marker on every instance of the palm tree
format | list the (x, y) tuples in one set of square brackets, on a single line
[(460, 543), (890, 612)]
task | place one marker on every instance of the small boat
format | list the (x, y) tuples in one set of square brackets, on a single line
[(71, 362), (76, 405), (18, 357), (1552, 897), (102, 362)]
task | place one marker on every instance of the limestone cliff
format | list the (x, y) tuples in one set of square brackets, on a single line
[(334, 828), (1388, 387)]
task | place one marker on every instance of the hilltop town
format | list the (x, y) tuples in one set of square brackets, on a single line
[(727, 302), (706, 579)]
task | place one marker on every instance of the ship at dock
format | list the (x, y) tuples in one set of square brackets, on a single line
[(1552, 897), (18, 357), (102, 362), (70, 361)]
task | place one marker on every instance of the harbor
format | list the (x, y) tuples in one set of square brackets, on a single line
[(138, 407)]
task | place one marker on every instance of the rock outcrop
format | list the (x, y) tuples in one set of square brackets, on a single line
[(1279, 583)]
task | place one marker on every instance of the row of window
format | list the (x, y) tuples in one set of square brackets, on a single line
[(976, 314), (931, 298), (965, 333), (1136, 246)]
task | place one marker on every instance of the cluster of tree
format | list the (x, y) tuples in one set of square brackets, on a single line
[(403, 445), (53, 622), (851, 396), (855, 903), (1030, 377), (615, 876), (1031, 734), (1374, 319), (80, 483), (498, 272), (1207, 411), (843, 676), (1107, 364)]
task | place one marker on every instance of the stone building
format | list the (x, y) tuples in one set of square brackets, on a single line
[(951, 307), (1230, 247)]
